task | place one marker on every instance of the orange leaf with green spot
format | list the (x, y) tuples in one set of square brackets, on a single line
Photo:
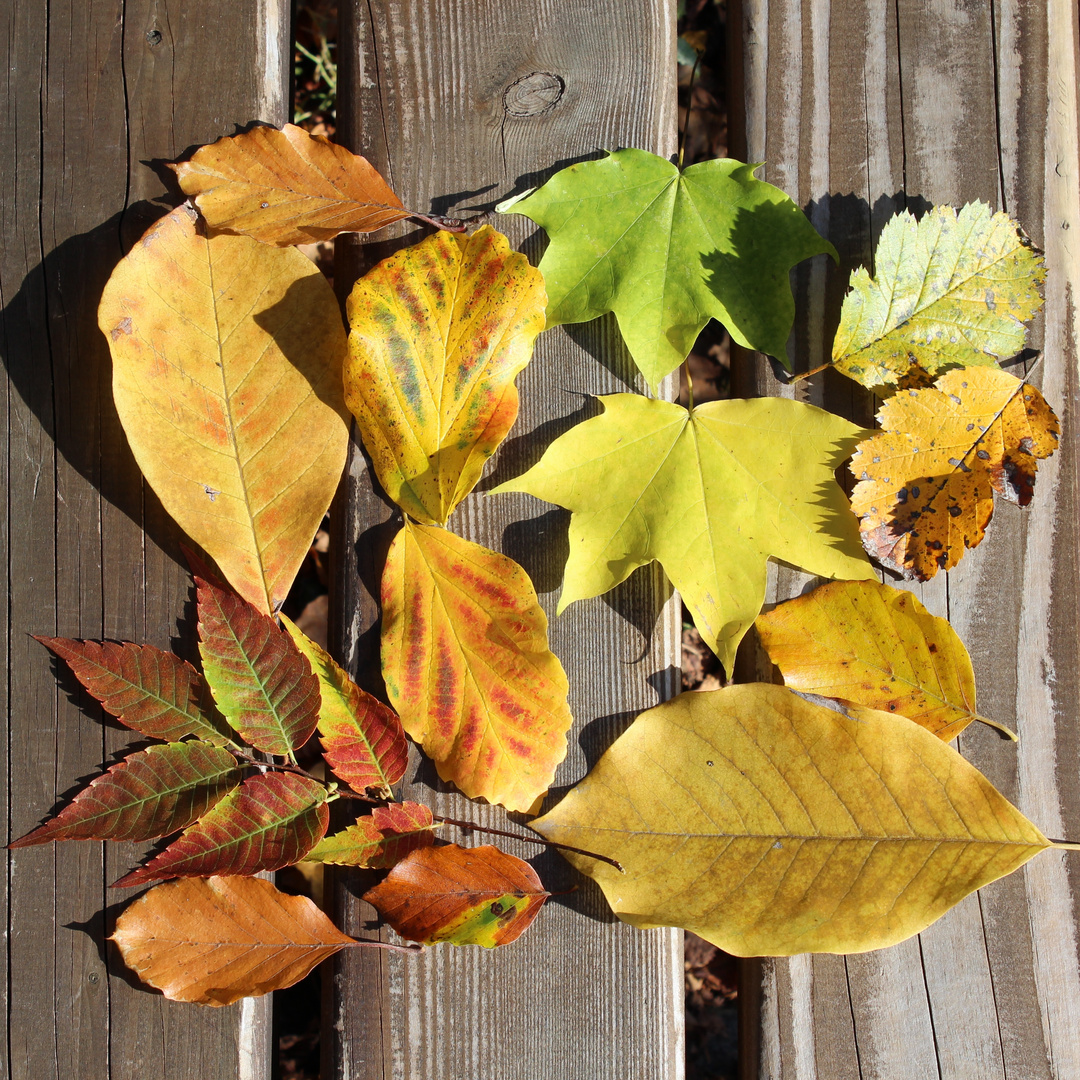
[(462, 896), (379, 839), (438, 333), (468, 668)]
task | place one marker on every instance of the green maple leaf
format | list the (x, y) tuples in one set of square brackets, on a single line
[(710, 494), (669, 250)]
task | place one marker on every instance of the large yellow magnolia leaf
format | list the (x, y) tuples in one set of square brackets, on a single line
[(227, 377), (286, 187), (865, 643), (439, 332), (926, 480), (950, 290), (467, 666), (770, 825)]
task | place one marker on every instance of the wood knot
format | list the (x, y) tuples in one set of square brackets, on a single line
[(533, 95)]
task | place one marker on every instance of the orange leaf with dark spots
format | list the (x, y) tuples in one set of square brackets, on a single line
[(462, 896), (468, 668), (927, 480)]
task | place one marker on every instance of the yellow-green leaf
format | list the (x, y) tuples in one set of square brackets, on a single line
[(439, 332), (950, 290), (771, 825), (227, 377), (711, 494)]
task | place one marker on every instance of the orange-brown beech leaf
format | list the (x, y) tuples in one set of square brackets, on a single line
[(438, 333), (149, 794), (467, 665), (153, 692), (261, 681), (362, 739), (287, 187), (213, 941), (379, 839), (272, 820), (227, 379), (865, 643), (926, 480), (463, 896)]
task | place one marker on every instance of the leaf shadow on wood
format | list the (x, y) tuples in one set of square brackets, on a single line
[(558, 876), (98, 928)]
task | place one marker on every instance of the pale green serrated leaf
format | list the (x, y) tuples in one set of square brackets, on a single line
[(951, 290), (667, 251)]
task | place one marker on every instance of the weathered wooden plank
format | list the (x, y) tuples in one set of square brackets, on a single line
[(98, 91), (858, 109), (434, 95)]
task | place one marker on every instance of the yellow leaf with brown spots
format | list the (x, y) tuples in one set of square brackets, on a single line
[(439, 332), (927, 480), (227, 377), (467, 666)]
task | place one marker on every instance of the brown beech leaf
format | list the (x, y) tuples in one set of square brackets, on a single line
[(463, 896), (379, 839), (286, 187), (213, 941), (272, 820), (153, 692), (467, 665), (260, 680), (927, 479), (363, 740)]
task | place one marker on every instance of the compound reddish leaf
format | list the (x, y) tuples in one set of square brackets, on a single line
[(259, 679), (380, 839), (151, 691), (463, 896), (271, 820), (363, 740), (149, 794), (217, 940)]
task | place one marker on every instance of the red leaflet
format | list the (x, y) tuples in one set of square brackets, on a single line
[(152, 692), (379, 840), (149, 794), (464, 896), (363, 740), (261, 682), (271, 820)]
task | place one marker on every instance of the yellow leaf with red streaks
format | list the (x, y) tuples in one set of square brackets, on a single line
[(927, 479), (439, 331), (467, 666), (227, 378)]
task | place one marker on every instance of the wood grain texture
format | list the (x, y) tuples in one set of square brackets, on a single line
[(460, 105), (860, 109), (97, 93)]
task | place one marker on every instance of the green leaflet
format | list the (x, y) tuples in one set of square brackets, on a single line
[(667, 251)]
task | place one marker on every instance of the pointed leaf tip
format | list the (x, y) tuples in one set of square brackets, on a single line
[(379, 839)]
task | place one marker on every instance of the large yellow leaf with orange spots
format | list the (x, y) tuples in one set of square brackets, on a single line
[(439, 331), (927, 480), (227, 377), (467, 666)]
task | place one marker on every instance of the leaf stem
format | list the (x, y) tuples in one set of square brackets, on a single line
[(997, 727), (689, 108), (447, 224), (384, 945), (1067, 845), (798, 376), (689, 386)]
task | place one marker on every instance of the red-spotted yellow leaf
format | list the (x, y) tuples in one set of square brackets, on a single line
[(668, 249), (467, 666), (438, 333), (927, 479), (227, 378), (771, 825), (153, 692), (362, 739), (462, 896), (286, 187), (953, 289), (149, 794), (272, 820), (711, 494), (379, 839), (865, 643), (261, 682), (217, 940)]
